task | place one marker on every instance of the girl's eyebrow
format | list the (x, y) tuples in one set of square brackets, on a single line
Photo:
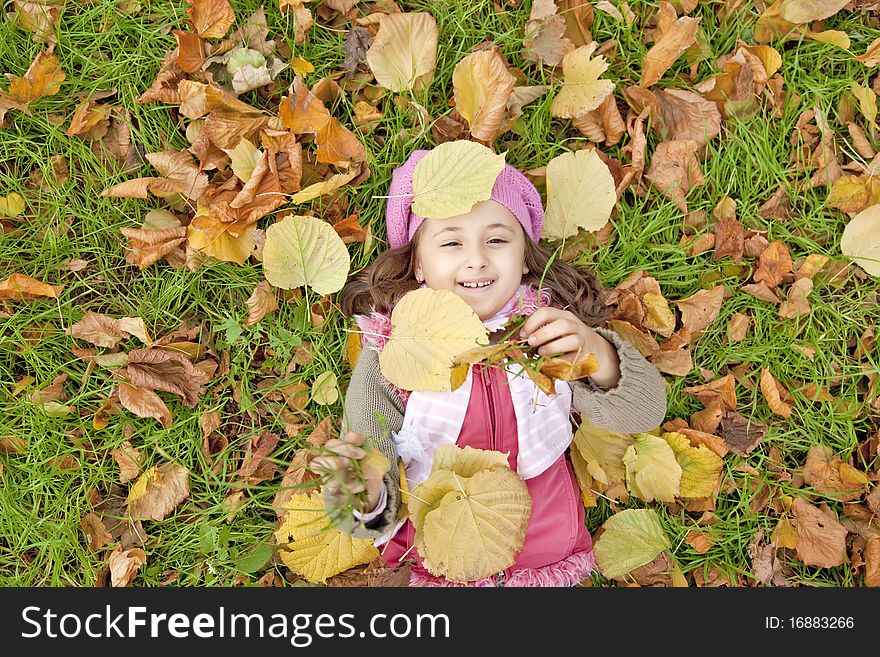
[(453, 229)]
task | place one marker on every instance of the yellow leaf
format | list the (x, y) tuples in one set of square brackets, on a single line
[(859, 240), (423, 342), (12, 205), (466, 461), (580, 194), (404, 52), (584, 478), (478, 527), (303, 250), (700, 466), (452, 177), (582, 90), (834, 37), (139, 488), (22, 288), (805, 11), (311, 547), (211, 18), (209, 235), (326, 186), (244, 158), (652, 473), (867, 101), (784, 535), (603, 452), (324, 390), (301, 66), (658, 316), (482, 87)]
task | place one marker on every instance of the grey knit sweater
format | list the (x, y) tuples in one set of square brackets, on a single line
[(372, 408)]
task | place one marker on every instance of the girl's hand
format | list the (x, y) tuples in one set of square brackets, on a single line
[(556, 331), (348, 468)]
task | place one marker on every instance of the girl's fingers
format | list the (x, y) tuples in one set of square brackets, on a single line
[(549, 332), (563, 345)]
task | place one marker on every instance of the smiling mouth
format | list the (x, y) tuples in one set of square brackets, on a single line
[(479, 286)]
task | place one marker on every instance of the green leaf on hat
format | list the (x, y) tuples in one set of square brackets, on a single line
[(452, 177)]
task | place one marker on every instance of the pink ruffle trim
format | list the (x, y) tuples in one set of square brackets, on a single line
[(568, 572)]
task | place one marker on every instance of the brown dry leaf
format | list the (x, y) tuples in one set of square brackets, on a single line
[(774, 265), (53, 392), (700, 541), (770, 388), (482, 87), (90, 118), (295, 481), (350, 230), (741, 434), (675, 39), (302, 111), (872, 562), (761, 291), (143, 403), (190, 51), (43, 78), (260, 303), (40, 17), (544, 41), (722, 389), (157, 369), (701, 308), (673, 361), (337, 145), (161, 236), (158, 492), (677, 114), (124, 565), (821, 538), (675, 169), (737, 327), (797, 304), (729, 235), (256, 466), (765, 564), (129, 460), (104, 331), (211, 19), (832, 476), (96, 533), (19, 287)]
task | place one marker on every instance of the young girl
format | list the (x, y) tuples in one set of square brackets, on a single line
[(490, 257)]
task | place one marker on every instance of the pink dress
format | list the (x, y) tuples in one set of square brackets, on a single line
[(558, 550)]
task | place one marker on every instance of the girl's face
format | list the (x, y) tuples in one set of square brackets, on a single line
[(484, 245)]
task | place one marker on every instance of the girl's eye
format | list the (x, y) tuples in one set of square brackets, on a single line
[(498, 239), (449, 244)]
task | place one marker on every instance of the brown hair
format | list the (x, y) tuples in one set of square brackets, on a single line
[(392, 274)]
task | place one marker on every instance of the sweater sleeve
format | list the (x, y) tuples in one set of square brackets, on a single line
[(637, 403), (372, 408)]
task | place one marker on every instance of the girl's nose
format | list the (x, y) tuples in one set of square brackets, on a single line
[(476, 257)]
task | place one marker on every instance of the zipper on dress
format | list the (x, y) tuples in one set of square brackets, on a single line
[(487, 378)]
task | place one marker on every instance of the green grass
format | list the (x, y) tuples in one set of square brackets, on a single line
[(103, 48)]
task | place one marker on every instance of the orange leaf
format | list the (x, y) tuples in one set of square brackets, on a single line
[(43, 78), (211, 18), (771, 394), (143, 403), (23, 288)]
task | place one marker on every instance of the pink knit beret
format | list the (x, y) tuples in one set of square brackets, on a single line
[(512, 190)]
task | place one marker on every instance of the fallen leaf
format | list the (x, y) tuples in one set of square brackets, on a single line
[(124, 565), (580, 194), (630, 538), (582, 90), (158, 491), (129, 460), (404, 51), (302, 250), (652, 471), (309, 546), (95, 531), (821, 538), (481, 87), (24, 288)]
